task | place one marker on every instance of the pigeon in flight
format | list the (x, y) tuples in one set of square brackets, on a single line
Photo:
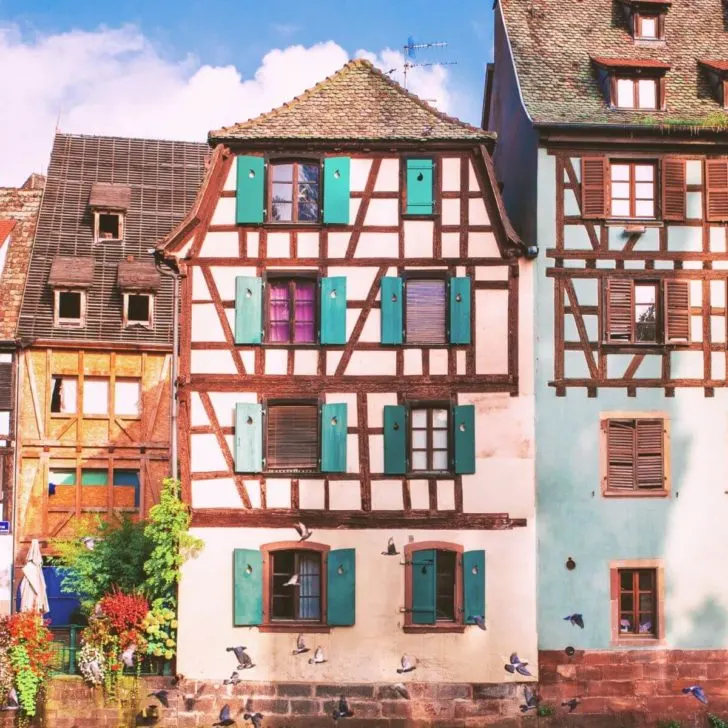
[(89, 543), (516, 665), (293, 581), (177, 679), (391, 548), (300, 646), (303, 531), (127, 656), (407, 664), (234, 679), (532, 700), (255, 718), (318, 657), (697, 692), (162, 696), (576, 619), (244, 660), (571, 704), (343, 710), (401, 690), (225, 719), (191, 700), (480, 621)]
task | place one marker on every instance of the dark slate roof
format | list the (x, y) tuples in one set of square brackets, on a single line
[(71, 271), (552, 42), (163, 177), (357, 103)]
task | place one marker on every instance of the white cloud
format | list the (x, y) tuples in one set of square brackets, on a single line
[(113, 81)]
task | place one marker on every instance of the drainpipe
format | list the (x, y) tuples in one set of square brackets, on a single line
[(16, 479)]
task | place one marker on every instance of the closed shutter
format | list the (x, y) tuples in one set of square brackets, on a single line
[(333, 310), (677, 312), (620, 454), (650, 454), (593, 187), (6, 392), (460, 310), (473, 586), (292, 437), (424, 577), (391, 310), (247, 587), (419, 187), (248, 310), (620, 309), (426, 309), (333, 438), (248, 437), (463, 420), (341, 588), (674, 189), (395, 440), (249, 199), (716, 184), (336, 190)]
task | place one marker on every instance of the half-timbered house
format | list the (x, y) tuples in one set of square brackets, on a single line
[(611, 125), (355, 355)]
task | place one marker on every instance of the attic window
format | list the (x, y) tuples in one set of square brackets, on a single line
[(138, 309), (69, 308), (716, 73), (648, 26), (108, 226), (646, 18), (636, 93), (632, 83)]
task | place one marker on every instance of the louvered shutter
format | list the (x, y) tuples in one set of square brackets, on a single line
[(426, 307), (460, 310), (473, 586), (247, 587), (620, 455), (716, 184), (677, 312), (650, 454), (620, 309), (336, 190), (333, 437), (674, 189), (248, 437), (424, 577), (250, 201), (593, 187), (391, 310), (6, 392), (333, 310), (395, 440), (292, 437), (248, 310), (341, 588)]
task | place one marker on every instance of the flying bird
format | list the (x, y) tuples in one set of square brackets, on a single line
[(293, 581), (571, 704), (177, 679), (225, 719), (191, 700), (576, 619), (300, 646), (697, 692), (127, 656), (401, 690), (391, 548), (407, 664), (89, 543), (318, 657), (517, 665), (162, 696), (303, 531), (532, 700), (255, 718), (342, 710), (244, 660), (480, 621), (234, 679)]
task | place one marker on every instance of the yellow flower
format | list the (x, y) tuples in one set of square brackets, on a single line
[(169, 643), (173, 624), (158, 652), (150, 629), (169, 654)]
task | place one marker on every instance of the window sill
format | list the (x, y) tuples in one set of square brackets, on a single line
[(433, 628), (296, 627), (636, 494), (130, 418), (429, 474), (624, 221), (290, 225), (60, 325), (312, 345), (639, 642), (63, 415), (95, 416), (420, 216)]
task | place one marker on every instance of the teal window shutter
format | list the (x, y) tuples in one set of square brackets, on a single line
[(419, 187), (336, 190), (248, 310), (424, 577), (395, 439), (341, 588), (391, 310), (460, 310), (247, 587), (463, 419), (249, 200), (333, 438), (248, 437), (473, 586), (333, 310)]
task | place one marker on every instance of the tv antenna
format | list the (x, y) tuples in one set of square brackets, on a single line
[(410, 55)]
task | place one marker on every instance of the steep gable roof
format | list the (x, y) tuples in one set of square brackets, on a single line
[(357, 103)]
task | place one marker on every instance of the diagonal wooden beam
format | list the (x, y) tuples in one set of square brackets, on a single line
[(66, 428), (634, 365), (34, 397), (363, 207), (576, 187), (217, 302), (581, 328), (152, 419)]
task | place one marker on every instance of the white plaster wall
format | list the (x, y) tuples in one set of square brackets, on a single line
[(305, 362), (477, 214), (205, 454), (419, 238), (483, 245), (224, 212), (221, 244), (388, 177), (491, 327), (224, 277), (451, 174), (377, 245), (308, 245), (200, 291), (206, 324), (450, 245), (198, 416), (279, 245), (358, 174), (382, 212), (338, 243), (211, 362), (253, 242), (372, 363), (218, 493), (358, 280), (450, 212), (473, 185)]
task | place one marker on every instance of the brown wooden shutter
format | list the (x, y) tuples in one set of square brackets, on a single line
[(620, 455), (426, 308), (6, 392), (292, 437), (716, 185), (620, 309), (593, 187), (674, 189), (677, 312), (650, 454)]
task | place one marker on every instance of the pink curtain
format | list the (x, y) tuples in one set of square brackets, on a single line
[(278, 315), (305, 319)]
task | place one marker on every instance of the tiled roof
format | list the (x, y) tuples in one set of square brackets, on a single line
[(552, 42), (358, 102), (163, 177), (721, 66), (6, 227), (630, 62)]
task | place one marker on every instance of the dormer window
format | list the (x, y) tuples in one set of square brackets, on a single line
[(109, 204), (70, 278), (648, 27), (138, 282), (108, 226), (636, 93), (632, 84), (646, 18), (716, 73)]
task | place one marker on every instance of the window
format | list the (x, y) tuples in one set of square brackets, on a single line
[(291, 307), (635, 456), (127, 397), (633, 189), (125, 492), (94, 494), (70, 308), (425, 310), (429, 428), (636, 93), (292, 442), (95, 396), (645, 312), (108, 225), (637, 599), (138, 309), (294, 192), (64, 393), (300, 600)]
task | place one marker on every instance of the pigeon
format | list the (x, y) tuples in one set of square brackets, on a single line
[(576, 619), (244, 661), (401, 690), (532, 700), (95, 670), (697, 692), (255, 718), (571, 704), (177, 679), (148, 715), (300, 646), (343, 710), (318, 657), (225, 719), (162, 696), (516, 665), (303, 531), (191, 700), (293, 581), (391, 548), (89, 543), (11, 701), (127, 656), (479, 620), (234, 679), (407, 664)]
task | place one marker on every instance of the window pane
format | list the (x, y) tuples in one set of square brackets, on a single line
[(308, 172), (439, 460), (645, 191), (646, 624), (419, 460), (620, 208), (95, 396), (63, 395), (625, 93), (426, 307), (309, 585), (646, 579), (419, 418), (94, 493), (620, 190), (646, 603), (620, 173), (644, 172), (292, 441), (445, 586), (625, 579), (625, 624), (439, 418), (282, 211), (648, 27), (283, 606), (645, 294), (282, 172), (278, 312), (127, 396), (109, 226), (308, 209), (626, 602), (282, 192), (305, 293), (419, 439), (138, 308), (644, 208), (439, 439), (62, 489), (69, 305), (647, 93)]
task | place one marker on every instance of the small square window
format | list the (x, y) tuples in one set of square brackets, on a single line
[(636, 93), (637, 602), (632, 190), (292, 437), (108, 226), (429, 437), (127, 396), (294, 192), (95, 396), (291, 311), (138, 309), (64, 392), (69, 308), (425, 310), (302, 600)]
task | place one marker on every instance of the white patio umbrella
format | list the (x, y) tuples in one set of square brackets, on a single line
[(33, 597)]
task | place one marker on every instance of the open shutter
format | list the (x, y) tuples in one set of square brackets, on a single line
[(391, 310), (341, 588), (248, 310), (333, 438), (249, 200), (419, 187), (395, 439), (593, 187), (620, 309), (716, 184), (620, 455), (677, 312), (473, 586), (247, 587), (248, 437), (333, 310), (463, 421), (674, 189), (460, 310), (424, 577), (6, 392), (336, 190), (650, 454)]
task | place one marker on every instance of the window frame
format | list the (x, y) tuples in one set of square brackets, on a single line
[(443, 275), (291, 277), (270, 625), (67, 323), (635, 640), (317, 402), (458, 624), (138, 382), (635, 78), (98, 212), (659, 17), (64, 415), (109, 414), (430, 405), (271, 162), (633, 164), (149, 323)]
